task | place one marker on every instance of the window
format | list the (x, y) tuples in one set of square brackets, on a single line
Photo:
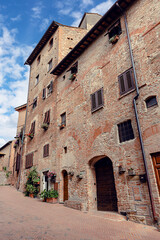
[(50, 65), (125, 131), (18, 159), (50, 88), (47, 117), (38, 59), (151, 101), (32, 130), (46, 150), (126, 81), (65, 149), (156, 164), (37, 79), (29, 160), (114, 31), (74, 70), (97, 100), (63, 120), (50, 43), (34, 102), (44, 93)]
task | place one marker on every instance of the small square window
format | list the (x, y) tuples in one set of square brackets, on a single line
[(125, 131), (37, 79), (126, 81), (65, 149), (97, 100), (50, 43), (151, 101), (50, 65)]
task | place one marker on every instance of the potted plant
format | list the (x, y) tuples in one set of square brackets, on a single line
[(72, 76), (45, 126), (32, 183), (51, 174), (52, 196), (31, 189), (44, 195), (131, 172), (114, 39), (30, 135)]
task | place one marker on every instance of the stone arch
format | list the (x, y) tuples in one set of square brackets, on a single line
[(101, 186)]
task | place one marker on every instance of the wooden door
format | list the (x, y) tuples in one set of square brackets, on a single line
[(156, 164), (106, 192), (65, 186)]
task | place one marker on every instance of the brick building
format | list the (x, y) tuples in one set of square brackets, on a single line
[(6, 162), (18, 144), (93, 111)]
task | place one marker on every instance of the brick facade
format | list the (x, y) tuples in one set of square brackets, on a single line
[(89, 137)]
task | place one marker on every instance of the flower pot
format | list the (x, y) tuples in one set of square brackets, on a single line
[(121, 170), (31, 195), (114, 39), (51, 200)]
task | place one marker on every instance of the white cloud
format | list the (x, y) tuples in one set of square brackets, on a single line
[(86, 3), (37, 10), (102, 7), (44, 24), (17, 18), (13, 81)]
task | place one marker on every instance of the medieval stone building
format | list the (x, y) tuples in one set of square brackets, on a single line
[(93, 111)]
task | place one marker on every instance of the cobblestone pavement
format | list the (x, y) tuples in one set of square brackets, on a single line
[(30, 219)]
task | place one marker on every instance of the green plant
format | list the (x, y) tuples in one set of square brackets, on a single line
[(44, 194), (52, 193), (8, 173), (33, 179), (5, 168), (30, 188), (49, 194)]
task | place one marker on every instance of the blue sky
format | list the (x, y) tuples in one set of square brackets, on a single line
[(22, 24)]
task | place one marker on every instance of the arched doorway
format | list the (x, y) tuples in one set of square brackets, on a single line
[(65, 185), (106, 192)]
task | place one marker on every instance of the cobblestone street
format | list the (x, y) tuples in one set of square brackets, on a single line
[(25, 218)]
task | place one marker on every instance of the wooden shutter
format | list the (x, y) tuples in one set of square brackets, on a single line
[(97, 100), (29, 160), (156, 164), (51, 87), (63, 119), (44, 93), (126, 81), (47, 117), (18, 158), (56, 186), (46, 150), (32, 127)]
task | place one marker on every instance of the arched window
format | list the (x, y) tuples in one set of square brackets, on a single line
[(151, 101)]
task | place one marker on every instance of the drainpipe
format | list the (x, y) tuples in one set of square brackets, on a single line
[(137, 118)]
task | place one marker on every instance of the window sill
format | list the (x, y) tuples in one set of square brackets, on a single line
[(93, 111), (125, 94)]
